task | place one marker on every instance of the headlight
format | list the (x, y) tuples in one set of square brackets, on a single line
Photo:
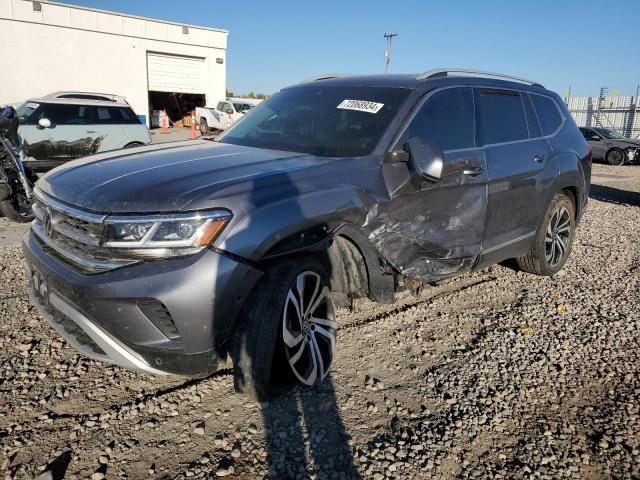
[(187, 232), (631, 154)]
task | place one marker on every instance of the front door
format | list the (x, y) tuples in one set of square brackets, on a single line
[(521, 166), (432, 230), (597, 143), (71, 134)]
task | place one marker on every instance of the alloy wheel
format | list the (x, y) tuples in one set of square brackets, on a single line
[(616, 157), (309, 328), (557, 237)]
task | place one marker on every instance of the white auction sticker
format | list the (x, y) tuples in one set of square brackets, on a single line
[(33, 105), (361, 106)]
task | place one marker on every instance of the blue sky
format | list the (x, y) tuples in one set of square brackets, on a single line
[(273, 44)]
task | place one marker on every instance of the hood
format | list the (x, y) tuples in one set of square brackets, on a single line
[(170, 178), (628, 143)]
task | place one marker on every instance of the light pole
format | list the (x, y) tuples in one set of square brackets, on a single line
[(387, 52)]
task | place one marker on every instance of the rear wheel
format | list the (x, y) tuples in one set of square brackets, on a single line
[(553, 240), (615, 156), (287, 330), (204, 126)]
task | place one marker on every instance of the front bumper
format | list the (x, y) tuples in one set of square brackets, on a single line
[(102, 315)]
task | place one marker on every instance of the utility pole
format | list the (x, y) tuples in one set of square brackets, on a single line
[(387, 52)]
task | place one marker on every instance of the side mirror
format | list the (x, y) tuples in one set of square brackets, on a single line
[(396, 156), (229, 111), (427, 156), (44, 123), (597, 138)]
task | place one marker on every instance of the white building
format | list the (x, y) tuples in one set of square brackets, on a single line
[(47, 47)]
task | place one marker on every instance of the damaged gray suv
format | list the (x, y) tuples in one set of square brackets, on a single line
[(169, 258)]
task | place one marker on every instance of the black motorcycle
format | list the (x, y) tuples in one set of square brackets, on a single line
[(16, 181)]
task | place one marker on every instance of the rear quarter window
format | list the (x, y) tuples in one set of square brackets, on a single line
[(548, 113)]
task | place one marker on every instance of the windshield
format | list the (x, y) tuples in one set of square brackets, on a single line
[(25, 110), (611, 134), (326, 121), (242, 107)]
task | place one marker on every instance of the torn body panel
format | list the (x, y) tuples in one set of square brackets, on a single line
[(432, 230)]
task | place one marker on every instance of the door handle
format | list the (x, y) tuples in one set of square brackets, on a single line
[(473, 172), (91, 131), (539, 158)]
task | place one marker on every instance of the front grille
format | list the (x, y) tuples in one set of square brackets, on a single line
[(72, 235)]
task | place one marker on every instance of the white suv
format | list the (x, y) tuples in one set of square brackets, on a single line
[(56, 130)]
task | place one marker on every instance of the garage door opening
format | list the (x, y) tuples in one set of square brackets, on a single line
[(177, 106), (176, 84)]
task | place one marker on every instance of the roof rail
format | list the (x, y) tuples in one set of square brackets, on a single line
[(444, 72), (327, 76)]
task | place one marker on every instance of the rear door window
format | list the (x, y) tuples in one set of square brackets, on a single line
[(101, 115), (447, 117), (548, 113), (500, 116), (532, 120)]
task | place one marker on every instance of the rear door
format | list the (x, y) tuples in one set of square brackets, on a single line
[(115, 127), (521, 166), (434, 229)]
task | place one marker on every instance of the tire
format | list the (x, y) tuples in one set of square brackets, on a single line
[(134, 145), (272, 345), (204, 126), (615, 156), (553, 240), (10, 210)]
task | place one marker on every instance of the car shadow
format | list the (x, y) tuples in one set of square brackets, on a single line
[(304, 432), (57, 469), (609, 194), (306, 437)]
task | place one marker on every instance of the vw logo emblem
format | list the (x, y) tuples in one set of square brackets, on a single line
[(47, 221)]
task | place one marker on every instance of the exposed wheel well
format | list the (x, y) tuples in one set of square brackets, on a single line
[(347, 267), (352, 261), (572, 193), (134, 144)]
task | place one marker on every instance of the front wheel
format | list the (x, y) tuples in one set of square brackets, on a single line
[(15, 212), (553, 240), (615, 156), (287, 329)]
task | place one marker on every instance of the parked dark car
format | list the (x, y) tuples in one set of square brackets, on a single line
[(170, 258), (611, 146)]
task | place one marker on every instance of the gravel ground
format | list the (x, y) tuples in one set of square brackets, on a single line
[(498, 374)]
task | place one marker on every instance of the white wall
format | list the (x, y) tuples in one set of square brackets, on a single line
[(618, 113), (72, 48)]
